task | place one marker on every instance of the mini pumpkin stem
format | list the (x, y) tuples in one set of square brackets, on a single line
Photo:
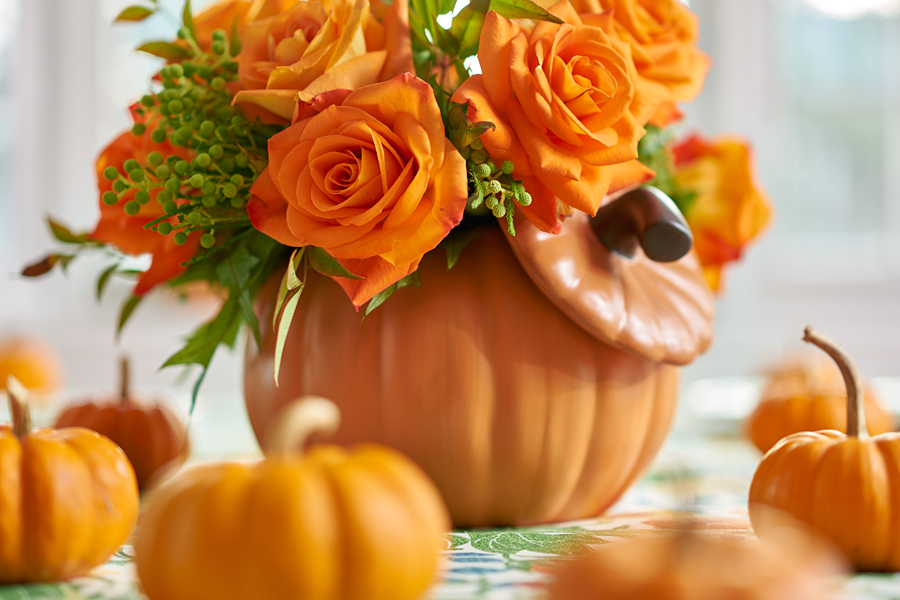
[(300, 419), (18, 407), (124, 379), (856, 413)]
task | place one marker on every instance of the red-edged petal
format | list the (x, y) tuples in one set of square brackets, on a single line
[(268, 211)]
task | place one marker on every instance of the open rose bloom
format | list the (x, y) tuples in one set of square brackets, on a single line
[(351, 137)]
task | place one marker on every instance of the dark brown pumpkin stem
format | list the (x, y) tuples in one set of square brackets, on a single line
[(18, 407), (856, 412), (124, 380)]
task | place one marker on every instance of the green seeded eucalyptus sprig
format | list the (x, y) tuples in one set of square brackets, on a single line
[(193, 111), (494, 187)]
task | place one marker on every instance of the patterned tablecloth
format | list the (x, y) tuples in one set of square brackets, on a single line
[(705, 455)]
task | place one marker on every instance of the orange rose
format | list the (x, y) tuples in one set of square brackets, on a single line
[(730, 207), (561, 97), (663, 39), (127, 232), (321, 45), (230, 14), (369, 177)]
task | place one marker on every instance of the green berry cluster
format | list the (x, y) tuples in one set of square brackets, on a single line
[(494, 186), (192, 111)]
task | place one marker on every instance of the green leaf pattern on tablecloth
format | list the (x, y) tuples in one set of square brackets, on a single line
[(551, 541), (515, 563)]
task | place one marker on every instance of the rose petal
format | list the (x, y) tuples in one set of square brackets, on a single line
[(378, 274), (585, 193), (543, 210), (417, 141), (280, 103), (407, 94), (629, 174), (447, 197), (493, 55), (501, 143), (396, 34), (324, 234), (268, 211), (543, 154), (355, 73)]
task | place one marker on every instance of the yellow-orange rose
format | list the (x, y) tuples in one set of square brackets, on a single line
[(730, 208), (561, 97), (369, 177), (663, 39), (230, 14), (320, 45)]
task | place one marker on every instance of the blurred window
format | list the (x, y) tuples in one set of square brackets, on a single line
[(9, 24)]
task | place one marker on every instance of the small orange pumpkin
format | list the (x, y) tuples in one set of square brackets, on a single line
[(840, 485), (32, 362), (808, 395), (148, 431), (311, 527), (697, 566), (68, 498)]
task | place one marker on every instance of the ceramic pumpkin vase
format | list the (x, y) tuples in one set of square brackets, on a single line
[(525, 398)]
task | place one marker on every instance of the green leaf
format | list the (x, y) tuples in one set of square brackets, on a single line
[(134, 13), (187, 17), (446, 6), (510, 215), (476, 198), (46, 264), (326, 264), (257, 161), (64, 235), (290, 281), (462, 132), (292, 285), (104, 279), (126, 312), (523, 9), (285, 318), (467, 27), (64, 260), (653, 152), (166, 50), (196, 390), (234, 273), (411, 280), (455, 243), (246, 304), (236, 41), (475, 130), (202, 344)]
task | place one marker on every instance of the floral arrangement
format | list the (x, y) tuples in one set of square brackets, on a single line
[(352, 137)]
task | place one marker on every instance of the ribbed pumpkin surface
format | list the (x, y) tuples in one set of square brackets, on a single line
[(517, 413)]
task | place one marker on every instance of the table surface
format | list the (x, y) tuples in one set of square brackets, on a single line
[(704, 452)]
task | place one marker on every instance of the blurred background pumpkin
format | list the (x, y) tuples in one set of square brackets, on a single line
[(146, 429), (807, 393)]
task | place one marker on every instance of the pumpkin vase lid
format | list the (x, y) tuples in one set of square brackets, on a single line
[(660, 309)]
